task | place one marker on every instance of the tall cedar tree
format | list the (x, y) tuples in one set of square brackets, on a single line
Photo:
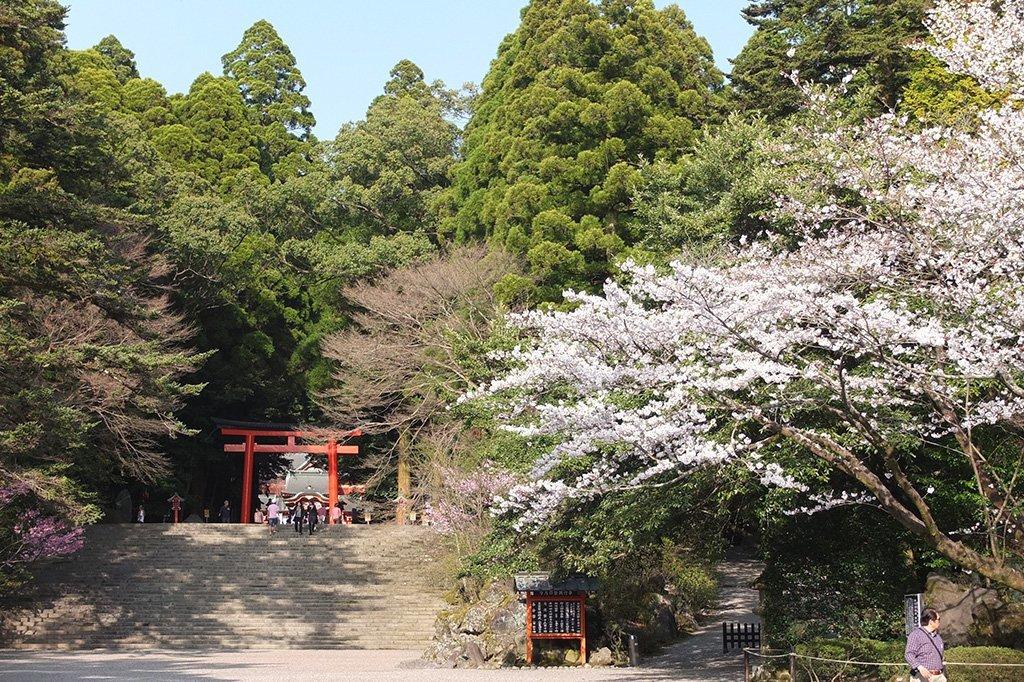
[(122, 59), (828, 40), (391, 167), (90, 354), (222, 134), (265, 69), (576, 97)]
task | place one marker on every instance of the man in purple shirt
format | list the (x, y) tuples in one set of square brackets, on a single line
[(925, 650)]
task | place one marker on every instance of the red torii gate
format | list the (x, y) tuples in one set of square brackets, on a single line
[(251, 431)]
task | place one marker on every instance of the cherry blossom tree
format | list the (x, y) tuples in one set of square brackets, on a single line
[(461, 502), (887, 322), (28, 535)]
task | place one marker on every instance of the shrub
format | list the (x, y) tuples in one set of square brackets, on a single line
[(655, 594), (869, 650), (837, 574), (28, 534), (984, 654), (874, 651), (691, 583)]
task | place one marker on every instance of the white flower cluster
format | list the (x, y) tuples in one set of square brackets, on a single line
[(886, 318), (824, 502), (984, 40)]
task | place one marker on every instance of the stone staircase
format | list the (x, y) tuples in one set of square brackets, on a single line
[(199, 586)]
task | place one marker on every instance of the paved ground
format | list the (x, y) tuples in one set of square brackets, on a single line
[(271, 666), (695, 658)]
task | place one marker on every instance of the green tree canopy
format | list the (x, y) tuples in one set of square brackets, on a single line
[(936, 95), (724, 189), (217, 135), (825, 40), (391, 167), (265, 70), (577, 95), (91, 355), (121, 59)]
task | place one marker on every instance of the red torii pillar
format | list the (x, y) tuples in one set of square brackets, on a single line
[(332, 478), (247, 473), (250, 447)]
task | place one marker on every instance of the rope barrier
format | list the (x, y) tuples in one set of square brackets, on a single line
[(832, 660), (986, 665), (760, 652), (755, 652)]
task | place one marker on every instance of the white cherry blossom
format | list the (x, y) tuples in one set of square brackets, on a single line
[(889, 320)]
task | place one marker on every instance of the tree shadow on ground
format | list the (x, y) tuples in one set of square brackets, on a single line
[(190, 586), (15, 667)]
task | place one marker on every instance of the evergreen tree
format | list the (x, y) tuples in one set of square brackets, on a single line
[(91, 357), (121, 59), (217, 133), (825, 40), (391, 166), (92, 77), (148, 100), (935, 95), (32, 97), (266, 72), (723, 190), (575, 98)]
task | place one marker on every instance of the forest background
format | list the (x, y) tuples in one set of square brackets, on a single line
[(167, 259)]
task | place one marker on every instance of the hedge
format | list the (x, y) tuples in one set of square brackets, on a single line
[(869, 650), (874, 651), (984, 654)]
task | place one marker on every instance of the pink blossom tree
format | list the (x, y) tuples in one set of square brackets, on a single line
[(28, 535), (887, 322), (467, 497)]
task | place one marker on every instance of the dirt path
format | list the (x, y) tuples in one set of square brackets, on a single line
[(699, 656)]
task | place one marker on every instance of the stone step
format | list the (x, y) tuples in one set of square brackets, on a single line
[(355, 633), (155, 616), (407, 625), (223, 586)]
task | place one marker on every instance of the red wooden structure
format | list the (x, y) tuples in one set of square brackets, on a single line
[(555, 609), (284, 438), (559, 623), (175, 501)]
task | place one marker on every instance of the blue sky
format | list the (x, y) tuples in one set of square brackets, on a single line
[(344, 48)]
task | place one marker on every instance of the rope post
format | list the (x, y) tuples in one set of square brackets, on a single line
[(746, 666), (792, 665)]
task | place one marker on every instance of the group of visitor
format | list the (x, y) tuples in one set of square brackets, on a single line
[(225, 514), (306, 515)]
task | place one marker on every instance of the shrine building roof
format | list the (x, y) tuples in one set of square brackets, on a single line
[(305, 481)]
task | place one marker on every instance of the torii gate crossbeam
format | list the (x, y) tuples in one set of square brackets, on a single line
[(253, 435)]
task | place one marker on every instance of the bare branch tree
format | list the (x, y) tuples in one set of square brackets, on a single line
[(405, 355)]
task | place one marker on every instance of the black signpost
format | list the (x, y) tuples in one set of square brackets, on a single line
[(912, 605), (555, 610)]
